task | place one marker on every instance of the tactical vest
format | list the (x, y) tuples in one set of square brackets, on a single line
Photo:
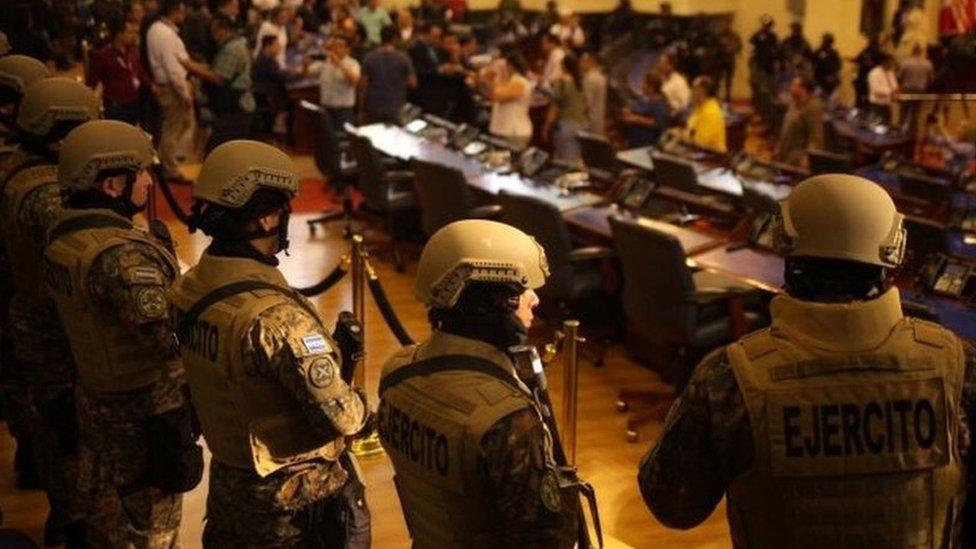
[(109, 356), (250, 421), (431, 426), (856, 445), (22, 248)]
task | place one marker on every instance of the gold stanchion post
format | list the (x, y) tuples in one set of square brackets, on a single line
[(359, 299), (368, 446), (570, 388)]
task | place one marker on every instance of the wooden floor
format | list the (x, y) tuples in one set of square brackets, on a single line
[(604, 457)]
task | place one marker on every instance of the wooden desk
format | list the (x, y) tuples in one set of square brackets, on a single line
[(868, 142), (594, 222), (711, 177), (403, 145), (759, 268)]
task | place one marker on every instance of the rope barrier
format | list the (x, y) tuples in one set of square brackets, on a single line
[(389, 315), (329, 281)]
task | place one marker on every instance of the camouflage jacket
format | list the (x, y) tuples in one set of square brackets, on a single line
[(707, 442)]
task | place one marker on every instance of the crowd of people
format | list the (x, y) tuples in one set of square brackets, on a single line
[(116, 361)]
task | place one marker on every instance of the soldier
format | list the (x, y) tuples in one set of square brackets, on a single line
[(844, 424), (826, 66), (109, 280), (41, 367), (473, 458), (17, 72), (264, 373), (762, 70)]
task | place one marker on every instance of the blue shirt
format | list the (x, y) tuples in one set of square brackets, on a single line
[(656, 109)]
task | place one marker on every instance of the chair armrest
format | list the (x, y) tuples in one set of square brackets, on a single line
[(731, 297), (590, 253), (488, 211), (399, 175), (399, 180)]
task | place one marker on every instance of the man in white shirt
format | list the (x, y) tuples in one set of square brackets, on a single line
[(674, 86), (174, 93), (882, 88), (595, 90), (568, 29), (275, 25), (338, 77), (554, 54)]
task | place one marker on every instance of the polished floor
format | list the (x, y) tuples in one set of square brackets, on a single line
[(604, 456)]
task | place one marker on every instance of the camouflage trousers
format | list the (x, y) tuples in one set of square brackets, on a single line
[(293, 507), (38, 390), (14, 388), (123, 510), (55, 438)]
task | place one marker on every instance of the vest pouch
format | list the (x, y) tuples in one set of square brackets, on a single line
[(175, 458), (276, 443), (340, 521), (354, 514)]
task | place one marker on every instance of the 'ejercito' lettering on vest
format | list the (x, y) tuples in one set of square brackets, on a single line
[(421, 443), (894, 426)]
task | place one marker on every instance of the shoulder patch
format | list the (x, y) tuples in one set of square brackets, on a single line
[(315, 344), (145, 275), (151, 302), (322, 372), (549, 492)]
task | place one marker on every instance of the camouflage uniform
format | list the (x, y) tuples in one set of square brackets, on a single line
[(707, 442), (13, 386), (294, 505), (497, 452), (516, 456), (43, 370), (244, 508), (124, 510)]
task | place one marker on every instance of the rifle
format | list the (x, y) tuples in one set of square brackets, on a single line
[(528, 367), (348, 335)]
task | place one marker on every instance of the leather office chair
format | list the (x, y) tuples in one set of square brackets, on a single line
[(822, 161), (599, 156), (388, 195), (444, 197), (329, 152), (576, 275), (686, 313)]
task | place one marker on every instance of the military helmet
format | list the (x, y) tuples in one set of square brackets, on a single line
[(101, 145), (53, 100), (476, 250), (842, 216), (18, 72), (234, 170)]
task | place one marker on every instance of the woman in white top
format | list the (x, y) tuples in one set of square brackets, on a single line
[(510, 93)]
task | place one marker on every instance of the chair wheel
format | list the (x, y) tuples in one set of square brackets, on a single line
[(631, 436), (622, 406)]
